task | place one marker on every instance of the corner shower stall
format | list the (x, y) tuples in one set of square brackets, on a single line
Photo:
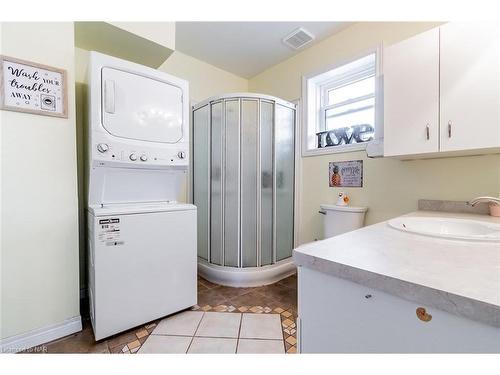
[(243, 186)]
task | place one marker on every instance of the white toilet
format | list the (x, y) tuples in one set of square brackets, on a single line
[(341, 219)]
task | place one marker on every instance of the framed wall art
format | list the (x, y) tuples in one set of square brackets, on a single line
[(346, 173), (34, 88)]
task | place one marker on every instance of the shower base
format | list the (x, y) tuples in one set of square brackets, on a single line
[(246, 277)]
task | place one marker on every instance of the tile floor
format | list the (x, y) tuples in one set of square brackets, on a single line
[(278, 300), (217, 333)]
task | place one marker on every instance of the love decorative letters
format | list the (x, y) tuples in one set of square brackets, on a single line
[(346, 135)]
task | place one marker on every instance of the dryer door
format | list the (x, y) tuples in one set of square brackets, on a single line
[(142, 108)]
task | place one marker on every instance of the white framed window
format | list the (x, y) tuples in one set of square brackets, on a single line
[(342, 107)]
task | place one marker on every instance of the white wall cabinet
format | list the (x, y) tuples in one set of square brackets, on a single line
[(470, 86), (411, 95), (442, 92)]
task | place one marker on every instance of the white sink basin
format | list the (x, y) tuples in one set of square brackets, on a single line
[(459, 229)]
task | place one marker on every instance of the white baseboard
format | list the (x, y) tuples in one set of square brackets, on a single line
[(40, 336)]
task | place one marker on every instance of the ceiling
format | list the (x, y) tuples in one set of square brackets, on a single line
[(245, 48)]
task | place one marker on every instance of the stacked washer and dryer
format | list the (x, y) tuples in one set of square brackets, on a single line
[(142, 242)]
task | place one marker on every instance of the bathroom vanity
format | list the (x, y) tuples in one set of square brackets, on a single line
[(379, 289)]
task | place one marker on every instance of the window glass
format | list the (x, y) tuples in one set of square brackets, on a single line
[(352, 91), (352, 114), (351, 107)]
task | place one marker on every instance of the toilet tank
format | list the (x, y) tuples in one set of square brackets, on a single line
[(341, 219)]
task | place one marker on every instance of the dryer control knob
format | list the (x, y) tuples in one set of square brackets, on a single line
[(133, 157), (144, 157), (102, 147), (181, 154)]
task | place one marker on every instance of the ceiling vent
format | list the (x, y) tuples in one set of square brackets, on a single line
[(298, 38)]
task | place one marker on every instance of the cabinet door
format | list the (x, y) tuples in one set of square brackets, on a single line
[(470, 86), (411, 95), (365, 320)]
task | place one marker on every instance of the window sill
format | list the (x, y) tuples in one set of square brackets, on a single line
[(335, 150)]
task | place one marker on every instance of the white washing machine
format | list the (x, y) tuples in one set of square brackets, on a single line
[(142, 243)]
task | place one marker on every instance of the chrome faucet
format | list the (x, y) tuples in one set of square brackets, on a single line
[(477, 200)]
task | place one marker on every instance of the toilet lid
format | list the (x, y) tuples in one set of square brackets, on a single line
[(333, 207)]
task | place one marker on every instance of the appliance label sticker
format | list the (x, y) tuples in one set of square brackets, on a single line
[(109, 231)]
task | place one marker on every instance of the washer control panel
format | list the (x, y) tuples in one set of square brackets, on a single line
[(102, 147), (166, 155)]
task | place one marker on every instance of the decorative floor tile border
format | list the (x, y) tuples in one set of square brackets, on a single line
[(288, 325)]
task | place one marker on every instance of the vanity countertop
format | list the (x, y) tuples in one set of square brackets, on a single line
[(460, 277)]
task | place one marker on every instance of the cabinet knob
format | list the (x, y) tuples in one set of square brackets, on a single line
[(449, 129), (423, 315), (427, 131)]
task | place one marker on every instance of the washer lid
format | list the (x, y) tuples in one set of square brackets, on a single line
[(334, 207), (139, 208), (141, 108)]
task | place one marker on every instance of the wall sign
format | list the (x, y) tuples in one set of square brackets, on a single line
[(346, 173), (33, 88), (346, 135)]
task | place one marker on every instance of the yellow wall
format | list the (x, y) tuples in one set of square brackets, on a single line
[(39, 231), (159, 32), (81, 64), (205, 80), (391, 187)]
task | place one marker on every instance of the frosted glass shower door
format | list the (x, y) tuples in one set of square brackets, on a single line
[(217, 171), (249, 161), (201, 176), (266, 182), (284, 141), (232, 184)]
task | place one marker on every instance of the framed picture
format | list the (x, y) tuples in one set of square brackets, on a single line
[(30, 87), (346, 173)]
